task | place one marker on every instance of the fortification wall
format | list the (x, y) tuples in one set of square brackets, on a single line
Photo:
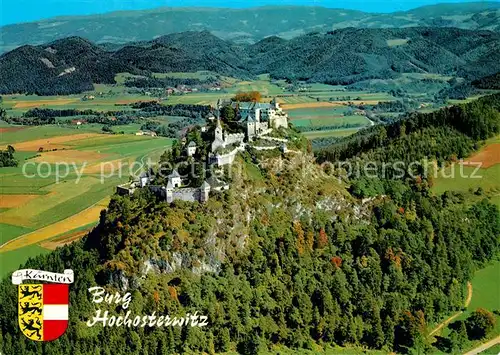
[(280, 121), (234, 138), (226, 159), (264, 148), (186, 194), (274, 139)]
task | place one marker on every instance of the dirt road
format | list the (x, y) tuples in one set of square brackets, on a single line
[(484, 346), (449, 320)]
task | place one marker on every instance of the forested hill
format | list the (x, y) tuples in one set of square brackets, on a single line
[(287, 256), (477, 120), (446, 135), (243, 25), (339, 57), (73, 64), (349, 55)]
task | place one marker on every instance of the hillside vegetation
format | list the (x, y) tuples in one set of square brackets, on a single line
[(242, 25), (287, 256), (342, 56)]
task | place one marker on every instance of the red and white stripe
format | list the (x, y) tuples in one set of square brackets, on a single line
[(55, 310)]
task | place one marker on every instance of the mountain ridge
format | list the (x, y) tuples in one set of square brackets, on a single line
[(247, 25), (343, 56)]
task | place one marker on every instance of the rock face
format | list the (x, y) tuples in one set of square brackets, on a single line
[(199, 238)]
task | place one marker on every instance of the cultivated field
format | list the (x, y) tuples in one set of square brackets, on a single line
[(36, 205), (78, 220), (310, 97)]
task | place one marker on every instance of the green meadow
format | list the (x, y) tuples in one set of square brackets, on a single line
[(33, 197), (14, 259), (486, 288), (467, 179), (330, 133), (324, 117)]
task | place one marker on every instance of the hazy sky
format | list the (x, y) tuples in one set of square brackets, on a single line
[(14, 11)]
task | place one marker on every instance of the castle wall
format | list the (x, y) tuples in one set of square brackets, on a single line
[(257, 128), (274, 139), (264, 148), (186, 194), (234, 138), (124, 190), (281, 121), (226, 159)]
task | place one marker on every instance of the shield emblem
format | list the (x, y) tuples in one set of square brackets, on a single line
[(43, 308)]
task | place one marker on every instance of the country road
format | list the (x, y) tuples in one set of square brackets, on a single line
[(484, 346)]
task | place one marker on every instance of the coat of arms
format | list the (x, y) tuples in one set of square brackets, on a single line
[(43, 307)]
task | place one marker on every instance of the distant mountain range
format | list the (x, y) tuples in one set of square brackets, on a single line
[(342, 56), (243, 25)]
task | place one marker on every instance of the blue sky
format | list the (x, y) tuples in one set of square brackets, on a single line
[(15, 11)]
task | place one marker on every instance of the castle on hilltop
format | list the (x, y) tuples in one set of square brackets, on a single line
[(255, 125), (257, 118)]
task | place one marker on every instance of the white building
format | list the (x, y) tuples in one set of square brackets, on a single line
[(223, 139), (174, 179), (191, 149)]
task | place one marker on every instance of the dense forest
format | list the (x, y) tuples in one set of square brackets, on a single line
[(489, 82), (344, 56), (151, 82), (287, 256)]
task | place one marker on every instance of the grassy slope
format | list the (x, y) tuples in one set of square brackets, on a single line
[(458, 178), (486, 282), (11, 261)]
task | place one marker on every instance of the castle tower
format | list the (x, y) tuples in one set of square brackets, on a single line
[(170, 192), (204, 192), (219, 133)]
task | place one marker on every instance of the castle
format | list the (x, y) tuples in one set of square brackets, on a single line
[(223, 139), (257, 120), (174, 191)]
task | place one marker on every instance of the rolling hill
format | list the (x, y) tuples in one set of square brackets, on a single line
[(242, 25), (349, 55), (342, 56)]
